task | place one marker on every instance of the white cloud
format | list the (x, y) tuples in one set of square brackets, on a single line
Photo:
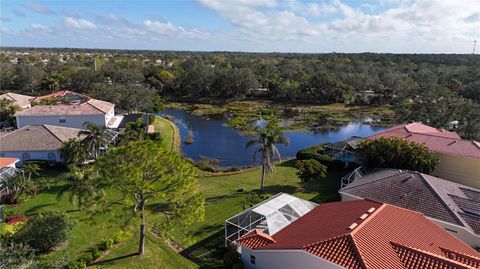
[(37, 26), (38, 8), (4, 29), (79, 23)]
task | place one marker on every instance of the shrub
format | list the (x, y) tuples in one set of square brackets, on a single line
[(45, 231), (78, 264), (95, 253), (16, 255), (106, 243), (15, 219), (310, 169), (316, 152), (8, 230), (121, 236), (397, 153)]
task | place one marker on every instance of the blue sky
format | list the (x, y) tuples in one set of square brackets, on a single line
[(407, 26)]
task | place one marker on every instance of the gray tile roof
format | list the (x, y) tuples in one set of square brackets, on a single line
[(38, 138), (436, 198)]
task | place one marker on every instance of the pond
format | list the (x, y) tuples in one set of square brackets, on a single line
[(212, 139)]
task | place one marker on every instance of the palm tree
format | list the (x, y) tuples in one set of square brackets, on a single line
[(73, 152), (31, 169), (94, 139), (80, 187), (268, 138)]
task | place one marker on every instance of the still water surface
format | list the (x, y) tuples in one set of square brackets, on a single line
[(213, 139)]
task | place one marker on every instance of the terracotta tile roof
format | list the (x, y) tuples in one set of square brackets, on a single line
[(62, 93), (438, 140), (39, 138), (22, 100), (413, 258), (436, 198), (327, 231), (460, 257), (255, 239), (90, 107), (340, 250), (4, 162)]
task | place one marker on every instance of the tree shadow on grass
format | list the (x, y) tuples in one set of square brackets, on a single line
[(207, 253), (214, 199), (34, 210), (274, 189), (115, 259)]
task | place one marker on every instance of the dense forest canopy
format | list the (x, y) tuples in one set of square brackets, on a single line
[(432, 88)]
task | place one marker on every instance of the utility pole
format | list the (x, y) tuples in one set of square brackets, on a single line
[(95, 62), (474, 45)]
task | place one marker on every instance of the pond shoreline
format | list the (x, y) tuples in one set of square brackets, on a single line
[(241, 114), (218, 146)]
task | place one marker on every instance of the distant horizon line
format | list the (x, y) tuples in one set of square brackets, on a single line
[(233, 51)]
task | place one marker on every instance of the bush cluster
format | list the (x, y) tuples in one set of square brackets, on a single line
[(316, 152)]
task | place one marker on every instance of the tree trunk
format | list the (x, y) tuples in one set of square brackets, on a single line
[(263, 178), (141, 245)]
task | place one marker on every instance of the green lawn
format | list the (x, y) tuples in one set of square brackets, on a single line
[(223, 201), (204, 246), (170, 133)]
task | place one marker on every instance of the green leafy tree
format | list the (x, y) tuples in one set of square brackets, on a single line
[(81, 187), (8, 108), (310, 169), (134, 131), (73, 152), (397, 153), (267, 140), (95, 138), (45, 231), (31, 169), (142, 171)]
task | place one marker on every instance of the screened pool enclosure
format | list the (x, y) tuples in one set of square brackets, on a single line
[(269, 216)]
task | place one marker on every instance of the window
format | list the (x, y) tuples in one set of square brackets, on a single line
[(25, 156), (62, 120), (51, 157), (252, 259)]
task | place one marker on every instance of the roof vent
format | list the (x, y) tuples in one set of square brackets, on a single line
[(371, 210), (351, 227), (364, 216)]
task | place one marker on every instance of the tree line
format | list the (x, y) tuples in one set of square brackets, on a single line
[(432, 88)]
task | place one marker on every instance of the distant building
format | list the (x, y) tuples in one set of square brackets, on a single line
[(453, 206), (41, 142), (72, 110), (357, 234), (459, 158), (23, 101)]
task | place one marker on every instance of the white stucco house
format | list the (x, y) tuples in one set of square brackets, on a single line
[(355, 234), (70, 110), (41, 142), (453, 206)]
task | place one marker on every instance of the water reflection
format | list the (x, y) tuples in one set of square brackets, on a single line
[(213, 139)]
